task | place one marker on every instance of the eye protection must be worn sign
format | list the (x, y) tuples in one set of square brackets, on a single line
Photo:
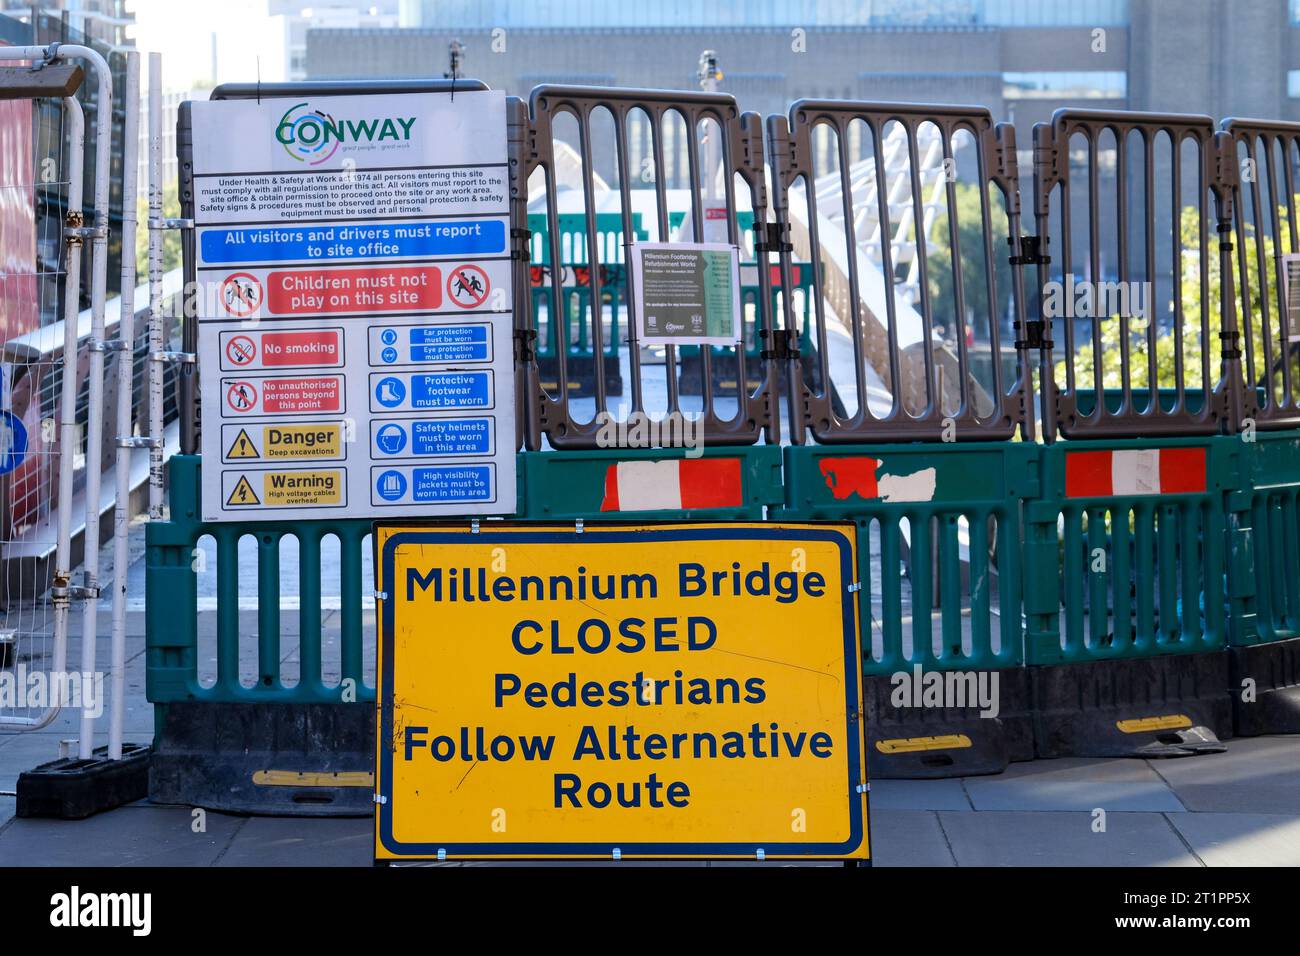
[(355, 287), (686, 691)]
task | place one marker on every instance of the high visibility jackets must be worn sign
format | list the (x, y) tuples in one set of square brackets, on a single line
[(685, 691), (355, 287)]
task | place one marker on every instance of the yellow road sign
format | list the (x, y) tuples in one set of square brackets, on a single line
[(685, 691)]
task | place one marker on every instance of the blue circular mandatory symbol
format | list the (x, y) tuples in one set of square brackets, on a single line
[(389, 355), (391, 439), (390, 392), (13, 441), (388, 336), (391, 485)]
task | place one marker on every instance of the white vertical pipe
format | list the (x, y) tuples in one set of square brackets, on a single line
[(157, 336), (95, 410), (68, 396), (125, 394)]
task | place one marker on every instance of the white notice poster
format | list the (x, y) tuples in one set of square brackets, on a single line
[(355, 297)]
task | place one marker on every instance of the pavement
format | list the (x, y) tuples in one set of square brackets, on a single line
[(1241, 807), (1237, 808)]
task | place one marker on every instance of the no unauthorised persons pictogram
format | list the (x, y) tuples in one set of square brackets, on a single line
[(241, 396)]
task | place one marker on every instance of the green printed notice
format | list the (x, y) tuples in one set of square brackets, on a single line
[(687, 293)]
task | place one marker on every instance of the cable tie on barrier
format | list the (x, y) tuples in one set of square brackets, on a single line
[(473, 526), (618, 854), (1034, 335), (855, 586), (380, 798), (577, 526), (1031, 251), (381, 595), (442, 855), (524, 339), (524, 252), (138, 441), (770, 237), (760, 854), (1229, 340), (785, 345), (1226, 246)]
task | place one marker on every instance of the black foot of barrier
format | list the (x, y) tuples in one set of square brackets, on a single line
[(1168, 706), (925, 743), (1270, 704), (581, 370), (311, 760), (72, 789)]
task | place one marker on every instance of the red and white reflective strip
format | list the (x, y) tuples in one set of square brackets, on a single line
[(679, 484), (1138, 471)]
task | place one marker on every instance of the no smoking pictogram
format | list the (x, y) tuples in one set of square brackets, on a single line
[(467, 286), (241, 350), (241, 294), (241, 396)]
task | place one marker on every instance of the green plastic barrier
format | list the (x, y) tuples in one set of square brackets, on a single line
[(736, 482), (1125, 552), (963, 614), (1264, 552), (171, 600)]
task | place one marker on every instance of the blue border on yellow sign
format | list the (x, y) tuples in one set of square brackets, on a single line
[(620, 535)]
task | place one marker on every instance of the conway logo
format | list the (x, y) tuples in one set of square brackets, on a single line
[(312, 136)]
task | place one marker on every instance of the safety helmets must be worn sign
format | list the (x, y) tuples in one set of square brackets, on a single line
[(355, 292), (685, 691)]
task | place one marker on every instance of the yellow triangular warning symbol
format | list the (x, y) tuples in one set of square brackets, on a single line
[(242, 446), (243, 494)]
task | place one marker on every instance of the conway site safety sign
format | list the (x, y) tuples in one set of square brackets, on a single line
[(354, 304), (619, 691)]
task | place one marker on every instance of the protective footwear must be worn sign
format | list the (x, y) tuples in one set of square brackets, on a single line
[(619, 691), (354, 289)]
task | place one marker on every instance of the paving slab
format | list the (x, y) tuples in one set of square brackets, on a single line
[(299, 841), (1063, 839), (908, 838), (1074, 783), (1255, 775), (918, 795), (1241, 839), (20, 752), (138, 835)]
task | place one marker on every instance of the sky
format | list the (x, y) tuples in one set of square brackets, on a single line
[(182, 32)]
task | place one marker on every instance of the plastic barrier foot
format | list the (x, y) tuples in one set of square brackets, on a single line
[(1168, 706), (1274, 670), (922, 742), (72, 789), (581, 371), (271, 758)]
